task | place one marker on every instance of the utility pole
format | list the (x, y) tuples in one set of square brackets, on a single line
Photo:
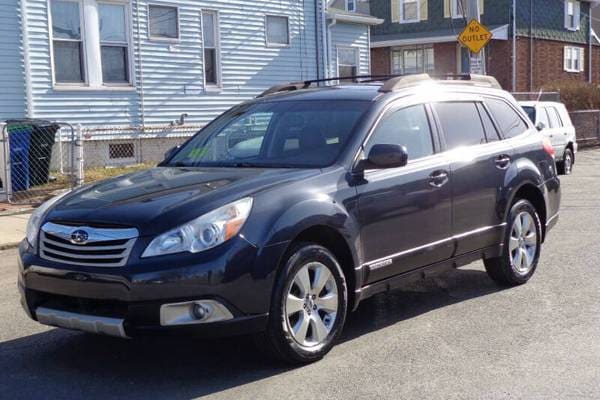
[(477, 60)]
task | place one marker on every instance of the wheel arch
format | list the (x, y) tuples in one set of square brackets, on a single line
[(530, 192), (334, 241)]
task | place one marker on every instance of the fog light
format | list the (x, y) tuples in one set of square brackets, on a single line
[(193, 312), (200, 311)]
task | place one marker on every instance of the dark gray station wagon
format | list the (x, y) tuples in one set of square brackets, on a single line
[(287, 211)]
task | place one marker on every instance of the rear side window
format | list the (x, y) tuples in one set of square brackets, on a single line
[(461, 124), (407, 127), (509, 121), (554, 117), (490, 130)]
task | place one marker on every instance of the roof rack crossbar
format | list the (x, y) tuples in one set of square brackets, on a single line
[(402, 82), (291, 86)]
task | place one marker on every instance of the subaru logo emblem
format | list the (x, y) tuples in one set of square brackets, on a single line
[(79, 237)]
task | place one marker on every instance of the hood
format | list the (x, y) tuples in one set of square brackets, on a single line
[(159, 199)]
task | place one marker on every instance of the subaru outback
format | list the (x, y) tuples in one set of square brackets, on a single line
[(286, 212)]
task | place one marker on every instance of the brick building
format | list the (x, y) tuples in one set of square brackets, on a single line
[(553, 40)]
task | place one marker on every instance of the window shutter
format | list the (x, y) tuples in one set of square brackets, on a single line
[(447, 10), (481, 6), (566, 15), (566, 52), (423, 9), (577, 12), (581, 60), (395, 10)]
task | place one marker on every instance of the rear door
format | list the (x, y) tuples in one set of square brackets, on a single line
[(478, 164), (405, 213)]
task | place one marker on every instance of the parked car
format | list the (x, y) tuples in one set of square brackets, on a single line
[(553, 121), (352, 191)]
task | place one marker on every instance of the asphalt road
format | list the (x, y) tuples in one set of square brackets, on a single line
[(457, 336)]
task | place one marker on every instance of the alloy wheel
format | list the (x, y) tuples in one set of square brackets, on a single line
[(311, 305), (568, 164), (523, 243)]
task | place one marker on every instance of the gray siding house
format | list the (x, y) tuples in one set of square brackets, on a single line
[(139, 63)]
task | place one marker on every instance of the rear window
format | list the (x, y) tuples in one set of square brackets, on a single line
[(509, 121), (461, 124)]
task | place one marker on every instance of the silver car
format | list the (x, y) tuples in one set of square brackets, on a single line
[(553, 121)]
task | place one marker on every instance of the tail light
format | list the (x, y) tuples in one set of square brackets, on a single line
[(548, 147)]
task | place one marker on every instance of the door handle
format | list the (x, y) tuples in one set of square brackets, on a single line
[(438, 179), (502, 161)]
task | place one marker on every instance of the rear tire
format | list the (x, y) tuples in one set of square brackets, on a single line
[(565, 167), (308, 308), (522, 247)]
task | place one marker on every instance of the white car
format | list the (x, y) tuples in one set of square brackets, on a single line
[(553, 121)]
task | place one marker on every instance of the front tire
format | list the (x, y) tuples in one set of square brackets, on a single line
[(522, 247), (309, 305), (565, 167)]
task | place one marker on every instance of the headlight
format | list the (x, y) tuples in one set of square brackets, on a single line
[(33, 226), (203, 233)]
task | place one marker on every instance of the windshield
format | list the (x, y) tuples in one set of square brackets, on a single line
[(291, 134), (530, 112)]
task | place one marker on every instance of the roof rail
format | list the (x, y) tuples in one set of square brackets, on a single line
[(291, 86), (403, 82)]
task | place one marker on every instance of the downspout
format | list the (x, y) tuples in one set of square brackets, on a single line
[(317, 52), (514, 45), (27, 65), (531, 45), (324, 40), (140, 67), (591, 46)]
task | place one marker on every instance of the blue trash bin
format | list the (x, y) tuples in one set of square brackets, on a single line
[(19, 136)]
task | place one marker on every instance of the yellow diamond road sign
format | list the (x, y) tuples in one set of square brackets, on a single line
[(475, 36)]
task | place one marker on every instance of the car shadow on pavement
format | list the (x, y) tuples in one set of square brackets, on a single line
[(63, 364)]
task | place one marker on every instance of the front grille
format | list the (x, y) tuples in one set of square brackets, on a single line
[(100, 248)]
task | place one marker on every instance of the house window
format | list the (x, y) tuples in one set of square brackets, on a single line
[(574, 59), (67, 42), (164, 22), (457, 8), (409, 10), (347, 60), (79, 61), (114, 46), (351, 5), (572, 14), (412, 60), (210, 37), (277, 30)]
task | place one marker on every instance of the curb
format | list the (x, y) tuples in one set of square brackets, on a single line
[(8, 246), (19, 211)]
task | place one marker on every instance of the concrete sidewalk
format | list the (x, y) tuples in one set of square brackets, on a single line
[(12, 230)]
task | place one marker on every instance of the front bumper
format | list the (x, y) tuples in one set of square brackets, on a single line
[(127, 301)]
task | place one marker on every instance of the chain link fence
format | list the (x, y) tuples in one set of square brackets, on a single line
[(111, 151), (38, 159)]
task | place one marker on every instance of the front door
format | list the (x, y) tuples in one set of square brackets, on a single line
[(405, 213)]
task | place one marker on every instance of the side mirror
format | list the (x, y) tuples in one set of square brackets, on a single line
[(540, 126), (169, 153), (384, 156)]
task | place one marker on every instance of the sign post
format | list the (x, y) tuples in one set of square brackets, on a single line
[(475, 37)]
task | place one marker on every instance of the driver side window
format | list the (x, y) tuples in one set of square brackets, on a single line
[(408, 127)]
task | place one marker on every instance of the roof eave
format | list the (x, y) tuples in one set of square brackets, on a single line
[(354, 19)]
